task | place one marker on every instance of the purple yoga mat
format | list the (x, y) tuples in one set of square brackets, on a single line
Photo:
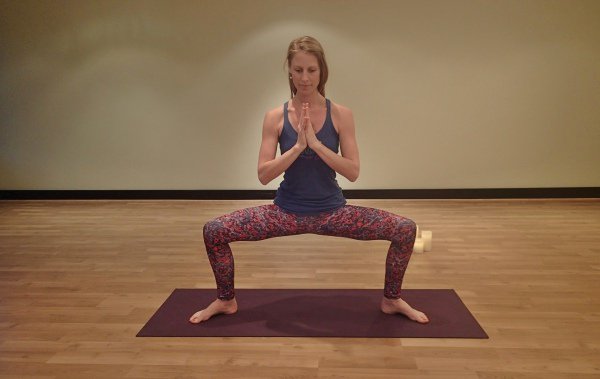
[(313, 313)]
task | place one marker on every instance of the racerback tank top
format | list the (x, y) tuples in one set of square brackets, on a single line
[(309, 185)]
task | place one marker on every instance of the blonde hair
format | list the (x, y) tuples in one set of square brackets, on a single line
[(312, 46)]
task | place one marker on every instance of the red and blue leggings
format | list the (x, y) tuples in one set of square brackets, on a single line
[(267, 221)]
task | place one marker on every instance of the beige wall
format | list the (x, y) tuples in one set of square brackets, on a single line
[(171, 94)]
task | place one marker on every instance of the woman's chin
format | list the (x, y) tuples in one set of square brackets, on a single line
[(306, 91)]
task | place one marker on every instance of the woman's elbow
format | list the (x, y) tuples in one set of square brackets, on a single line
[(263, 179), (356, 172), (353, 176)]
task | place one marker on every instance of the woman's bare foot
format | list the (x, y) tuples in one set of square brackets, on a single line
[(392, 306), (216, 307)]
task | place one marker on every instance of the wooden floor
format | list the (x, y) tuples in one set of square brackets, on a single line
[(78, 279)]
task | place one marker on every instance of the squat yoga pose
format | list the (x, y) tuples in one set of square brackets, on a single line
[(309, 129)]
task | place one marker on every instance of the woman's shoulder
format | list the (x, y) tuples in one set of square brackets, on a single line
[(340, 112), (275, 112), (274, 118)]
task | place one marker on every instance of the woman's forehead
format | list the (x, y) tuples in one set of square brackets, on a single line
[(303, 58)]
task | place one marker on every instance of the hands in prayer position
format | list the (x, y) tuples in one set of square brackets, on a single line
[(306, 131)]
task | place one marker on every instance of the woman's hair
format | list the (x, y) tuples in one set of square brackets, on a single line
[(312, 46)]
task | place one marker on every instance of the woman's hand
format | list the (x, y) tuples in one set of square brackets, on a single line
[(311, 137), (301, 142)]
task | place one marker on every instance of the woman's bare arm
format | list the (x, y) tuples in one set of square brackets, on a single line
[(269, 166), (347, 164)]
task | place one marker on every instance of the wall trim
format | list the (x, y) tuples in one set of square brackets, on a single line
[(462, 193)]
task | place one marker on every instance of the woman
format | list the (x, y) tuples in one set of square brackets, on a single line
[(308, 128)]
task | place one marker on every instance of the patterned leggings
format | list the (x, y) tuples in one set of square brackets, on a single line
[(267, 221)]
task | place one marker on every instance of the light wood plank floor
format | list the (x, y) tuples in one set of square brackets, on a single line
[(78, 279)]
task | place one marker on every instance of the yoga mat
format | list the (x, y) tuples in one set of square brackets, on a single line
[(313, 313)]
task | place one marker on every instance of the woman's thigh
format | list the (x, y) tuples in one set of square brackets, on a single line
[(251, 224), (362, 223)]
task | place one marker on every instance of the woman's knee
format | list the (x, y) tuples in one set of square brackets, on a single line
[(406, 227), (210, 230)]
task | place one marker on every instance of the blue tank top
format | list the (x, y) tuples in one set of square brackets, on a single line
[(309, 185)]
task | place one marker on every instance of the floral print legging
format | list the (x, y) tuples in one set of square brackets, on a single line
[(267, 221)]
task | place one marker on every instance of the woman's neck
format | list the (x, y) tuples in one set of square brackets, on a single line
[(315, 100)]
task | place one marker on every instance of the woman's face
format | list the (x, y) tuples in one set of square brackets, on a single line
[(305, 72)]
